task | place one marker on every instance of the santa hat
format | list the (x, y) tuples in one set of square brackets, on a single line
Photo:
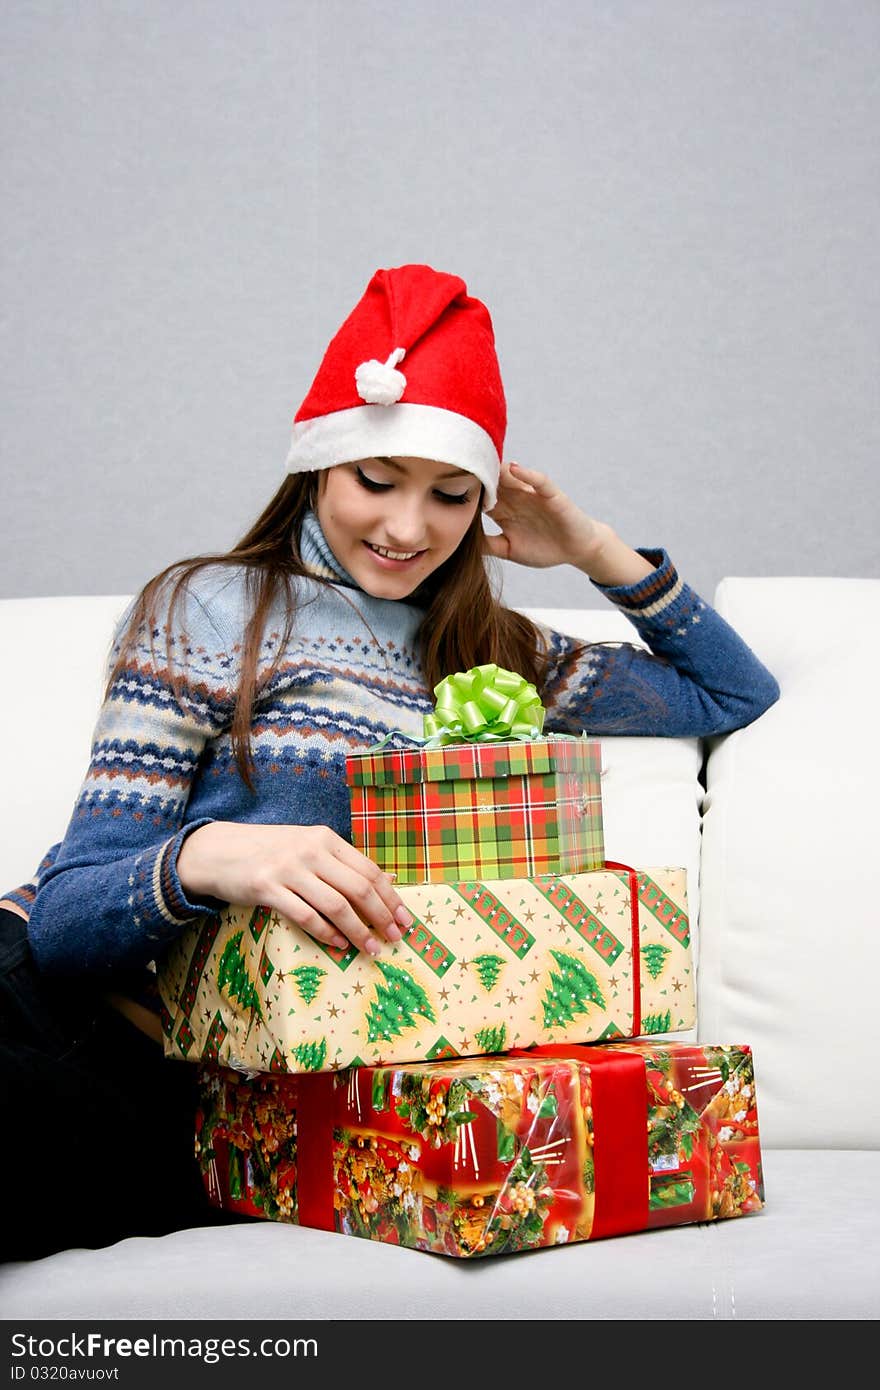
[(412, 372)]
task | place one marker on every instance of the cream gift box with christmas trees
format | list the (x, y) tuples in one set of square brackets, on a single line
[(487, 966)]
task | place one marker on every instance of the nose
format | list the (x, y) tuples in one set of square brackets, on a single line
[(406, 527)]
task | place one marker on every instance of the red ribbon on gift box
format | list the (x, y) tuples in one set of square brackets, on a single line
[(314, 1149), (618, 1082)]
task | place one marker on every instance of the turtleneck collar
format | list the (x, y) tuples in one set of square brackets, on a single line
[(317, 555)]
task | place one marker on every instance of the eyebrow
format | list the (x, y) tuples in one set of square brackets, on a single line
[(457, 473)]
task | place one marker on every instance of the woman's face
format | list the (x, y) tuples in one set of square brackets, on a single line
[(392, 521)]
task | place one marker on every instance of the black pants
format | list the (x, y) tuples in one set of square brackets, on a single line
[(96, 1125)]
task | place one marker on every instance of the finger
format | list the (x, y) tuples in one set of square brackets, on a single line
[(499, 546), (292, 907), (324, 914), (347, 899), (511, 483), (539, 481), (359, 892), (379, 881)]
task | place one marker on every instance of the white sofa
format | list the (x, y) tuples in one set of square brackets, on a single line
[(777, 827)]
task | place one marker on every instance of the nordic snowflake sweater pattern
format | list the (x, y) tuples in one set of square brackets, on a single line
[(108, 897)]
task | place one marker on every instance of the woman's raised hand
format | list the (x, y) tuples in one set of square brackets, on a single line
[(307, 873), (540, 525)]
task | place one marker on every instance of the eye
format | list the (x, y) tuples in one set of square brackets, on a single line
[(370, 483), (454, 499)]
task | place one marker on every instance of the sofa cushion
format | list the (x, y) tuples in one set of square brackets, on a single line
[(791, 946), (55, 650)]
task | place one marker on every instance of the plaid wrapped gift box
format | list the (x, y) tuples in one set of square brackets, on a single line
[(491, 1156), (479, 810), (486, 966)]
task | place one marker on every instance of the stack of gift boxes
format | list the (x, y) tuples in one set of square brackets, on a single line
[(477, 1087)]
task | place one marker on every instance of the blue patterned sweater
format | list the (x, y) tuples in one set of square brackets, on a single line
[(108, 897)]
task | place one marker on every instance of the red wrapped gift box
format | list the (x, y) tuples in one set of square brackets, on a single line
[(491, 1155)]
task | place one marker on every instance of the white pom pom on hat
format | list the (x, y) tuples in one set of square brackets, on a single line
[(448, 405), (378, 383)]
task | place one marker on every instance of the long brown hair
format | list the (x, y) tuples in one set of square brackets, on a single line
[(464, 625)]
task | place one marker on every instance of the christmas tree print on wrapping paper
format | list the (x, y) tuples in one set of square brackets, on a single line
[(308, 981), (488, 968), (233, 979), (656, 1023), (570, 992), (311, 1055), (654, 956), (492, 1039), (399, 1002)]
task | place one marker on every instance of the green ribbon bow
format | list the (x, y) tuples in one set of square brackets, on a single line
[(483, 705)]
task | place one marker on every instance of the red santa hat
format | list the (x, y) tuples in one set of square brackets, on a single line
[(412, 372)]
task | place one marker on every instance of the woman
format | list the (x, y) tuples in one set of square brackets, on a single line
[(238, 683)]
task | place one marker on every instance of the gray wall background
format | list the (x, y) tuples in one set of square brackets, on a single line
[(671, 209)]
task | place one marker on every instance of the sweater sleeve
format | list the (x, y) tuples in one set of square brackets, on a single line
[(25, 893), (109, 896), (697, 678)]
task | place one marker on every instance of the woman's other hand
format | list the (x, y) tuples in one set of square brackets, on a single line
[(307, 873)]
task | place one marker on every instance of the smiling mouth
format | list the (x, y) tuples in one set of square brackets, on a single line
[(401, 556)]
